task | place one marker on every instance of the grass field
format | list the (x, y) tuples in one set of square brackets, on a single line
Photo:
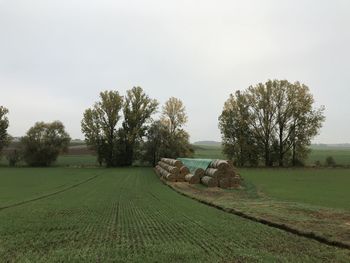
[(128, 215), (321, 187), (340, 154)]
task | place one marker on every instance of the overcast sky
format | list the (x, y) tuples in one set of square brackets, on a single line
[(56, 56)]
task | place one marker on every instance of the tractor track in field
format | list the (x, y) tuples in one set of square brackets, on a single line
[(50, 194), (283, 227)]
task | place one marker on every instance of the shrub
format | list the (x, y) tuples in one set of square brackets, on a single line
[(330, 162), (13, 157), (44, 142)]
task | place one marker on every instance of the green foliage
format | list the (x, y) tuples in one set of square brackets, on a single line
[(272, 122), (127, 215), (161, 143), (44, 142), (153, 148), (99, 126), (342, 155), (239, 144), (330, 162), (14, 157), (4, 124), (118, 147), (138, 109), (166, 138)]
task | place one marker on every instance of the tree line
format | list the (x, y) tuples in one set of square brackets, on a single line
[(119, 129), (268, 124)]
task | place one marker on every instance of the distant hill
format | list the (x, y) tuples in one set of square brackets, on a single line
[(209, 143)]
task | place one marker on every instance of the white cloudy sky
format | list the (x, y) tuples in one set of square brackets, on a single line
[(56, 56)]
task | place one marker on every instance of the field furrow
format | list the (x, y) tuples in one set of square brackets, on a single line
[(128, 215)]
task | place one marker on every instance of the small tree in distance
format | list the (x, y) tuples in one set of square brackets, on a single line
[(4, 124), (330, 162), (44, 142)]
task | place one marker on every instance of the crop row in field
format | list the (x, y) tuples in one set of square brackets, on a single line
[(128, 215)]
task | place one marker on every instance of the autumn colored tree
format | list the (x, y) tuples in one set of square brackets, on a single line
[(273, 122)]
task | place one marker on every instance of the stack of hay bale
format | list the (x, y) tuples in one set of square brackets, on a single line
[(174, 171), (220, 173)]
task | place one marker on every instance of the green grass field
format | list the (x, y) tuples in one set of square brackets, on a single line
[(321, 187), (341, 155), (128, 215)]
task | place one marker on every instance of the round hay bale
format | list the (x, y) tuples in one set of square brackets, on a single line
[(219, 164), (184, 171), (169, 168), (164, 173), (199, 172), (235, 181), (230, 164), (172, 162), (158, 170), (225, 183), (209, 181), (170, 177), (212, 172), (231, 173), (180, 177), (192, 179)]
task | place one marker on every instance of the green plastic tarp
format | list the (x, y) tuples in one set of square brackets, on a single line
[(194, 164)]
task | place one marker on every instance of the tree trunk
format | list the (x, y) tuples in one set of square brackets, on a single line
[(294, 154), (281, 153), (267, 155)]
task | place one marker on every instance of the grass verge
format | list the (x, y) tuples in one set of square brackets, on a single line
[(329, 226)]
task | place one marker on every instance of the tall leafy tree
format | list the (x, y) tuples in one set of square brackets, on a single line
[(279, 121), (4, 124), (262, 116), (238, 142), (285, 99), (99, 125), (174, 114), (306, 123), (176, 141), (154, 144), (138, 109), (44, 142)]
